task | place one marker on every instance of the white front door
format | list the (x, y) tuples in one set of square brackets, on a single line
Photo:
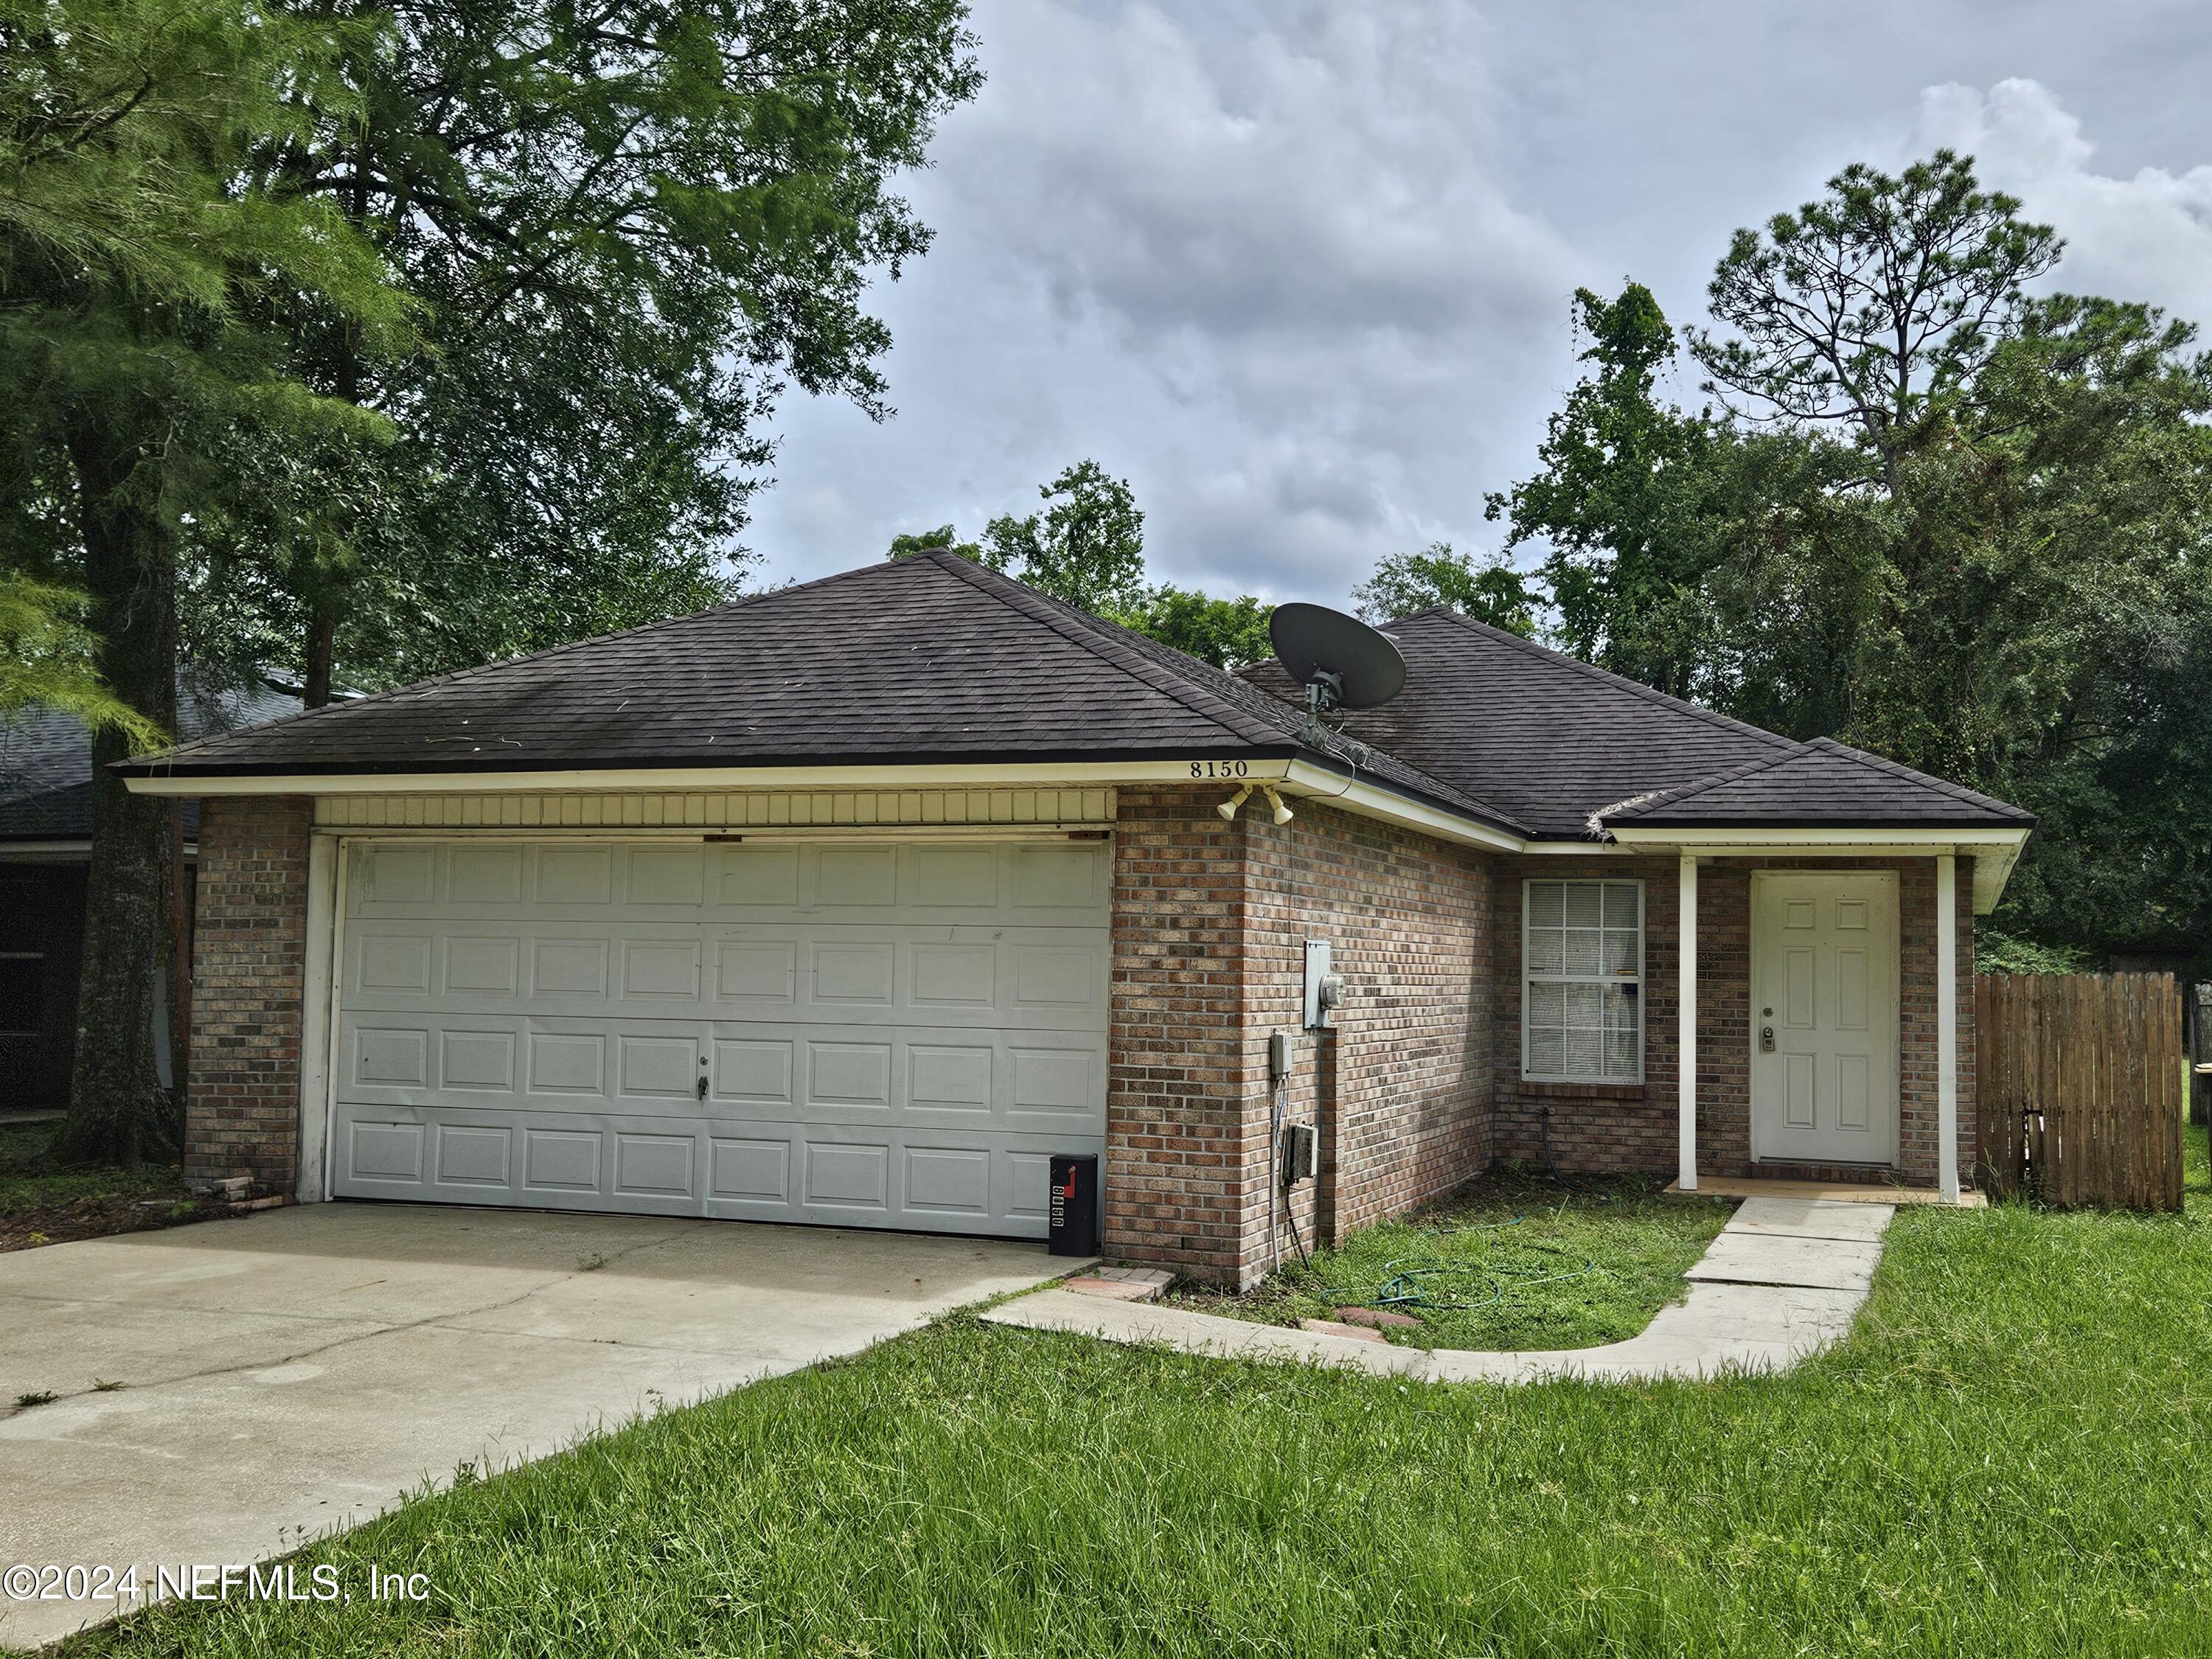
[(1824, 1053)]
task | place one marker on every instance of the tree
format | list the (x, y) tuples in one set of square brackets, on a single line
[(1982, 544), (1628, 501), (1874, 306), (631, 226), (1086, 548), (1227, 632), (1489, 591), (139, 269), (905, 547)]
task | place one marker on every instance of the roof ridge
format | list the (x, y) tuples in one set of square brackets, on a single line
[(1592, 671), (1044, 609), (1696, 787), (1897, 769), (452, 675)]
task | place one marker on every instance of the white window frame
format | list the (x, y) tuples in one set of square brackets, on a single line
[(1640, 980)]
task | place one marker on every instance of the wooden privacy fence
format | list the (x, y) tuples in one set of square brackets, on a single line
[(2078, 1081)]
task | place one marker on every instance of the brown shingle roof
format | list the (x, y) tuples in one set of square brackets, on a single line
[(936, 660)]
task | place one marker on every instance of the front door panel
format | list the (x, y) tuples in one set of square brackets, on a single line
[(1824, 1021)]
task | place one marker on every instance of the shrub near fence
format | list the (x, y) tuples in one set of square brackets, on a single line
[(2079, 1080)]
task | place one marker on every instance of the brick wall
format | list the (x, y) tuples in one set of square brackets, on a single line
[(1400, 1090), (249, 958), (1210, 921), (1612, 1127), (1179, 1184), (1629, 1127)]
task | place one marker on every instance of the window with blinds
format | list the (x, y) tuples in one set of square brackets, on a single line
[(1582, 982)]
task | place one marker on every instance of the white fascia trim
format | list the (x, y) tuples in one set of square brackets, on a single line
[(691, 780), (842, 834), (1310, 782), (1994, 851)]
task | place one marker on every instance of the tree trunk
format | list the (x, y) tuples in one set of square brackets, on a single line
[(322, 641), (117, 1113)]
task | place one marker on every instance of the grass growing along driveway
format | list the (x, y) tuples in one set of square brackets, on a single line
[(1516, 1262), (2011, 1455)]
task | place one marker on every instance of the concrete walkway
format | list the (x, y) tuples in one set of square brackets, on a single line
[(225, 1390), (1782, 1280)]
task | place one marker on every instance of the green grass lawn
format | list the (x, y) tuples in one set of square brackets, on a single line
[(1515, 1262), (2012, 1455), (28, 1180)]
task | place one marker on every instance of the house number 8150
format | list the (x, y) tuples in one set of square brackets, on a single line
[(1217, 768)]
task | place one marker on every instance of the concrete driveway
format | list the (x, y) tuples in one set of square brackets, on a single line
[(291, 1372)]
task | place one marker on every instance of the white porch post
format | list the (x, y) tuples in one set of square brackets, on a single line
[(1946, 1025), (1687, 999)]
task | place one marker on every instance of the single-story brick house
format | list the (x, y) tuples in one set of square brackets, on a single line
[(854, 902)]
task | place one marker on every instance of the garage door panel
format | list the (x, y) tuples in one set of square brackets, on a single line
[(889, 1035)]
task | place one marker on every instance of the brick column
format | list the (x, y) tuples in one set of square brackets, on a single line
[(1178, 1183), (249, 966)]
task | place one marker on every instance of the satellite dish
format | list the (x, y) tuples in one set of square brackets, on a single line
[(1341, 661)]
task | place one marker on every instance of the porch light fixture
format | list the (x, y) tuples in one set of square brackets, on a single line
[(1283, 814), (1227, 808)]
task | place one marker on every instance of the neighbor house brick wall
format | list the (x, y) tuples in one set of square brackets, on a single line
[(1626, 1127), (1210, 924), (249, 963)]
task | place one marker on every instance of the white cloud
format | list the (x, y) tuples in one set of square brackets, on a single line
[(1300, 270), (1270, 265), (2145, 237)]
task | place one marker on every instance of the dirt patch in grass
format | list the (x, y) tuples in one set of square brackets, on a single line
[(1516, 1262), (43, 1203)]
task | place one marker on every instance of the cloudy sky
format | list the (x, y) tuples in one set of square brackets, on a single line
[(1300, 272)]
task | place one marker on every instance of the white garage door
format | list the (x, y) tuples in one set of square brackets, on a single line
[(863, 1034)]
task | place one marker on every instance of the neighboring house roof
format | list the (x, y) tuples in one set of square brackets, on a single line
[(46, 756), (935, 659)]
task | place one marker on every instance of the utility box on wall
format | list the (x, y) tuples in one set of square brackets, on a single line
[(1324, 986)]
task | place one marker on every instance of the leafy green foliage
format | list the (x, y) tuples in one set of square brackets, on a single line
[(1227, 632), (1876, 305), (1487, 589), (1086, 548), (31, 1178), (2003, 953), (1952, 523), (630, 228), (905, 547), (1632, 501), (48, 658)]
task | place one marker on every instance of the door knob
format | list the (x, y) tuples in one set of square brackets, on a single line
[(1766, 1039)]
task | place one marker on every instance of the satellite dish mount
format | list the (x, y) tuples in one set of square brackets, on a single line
[(1340, 661)]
